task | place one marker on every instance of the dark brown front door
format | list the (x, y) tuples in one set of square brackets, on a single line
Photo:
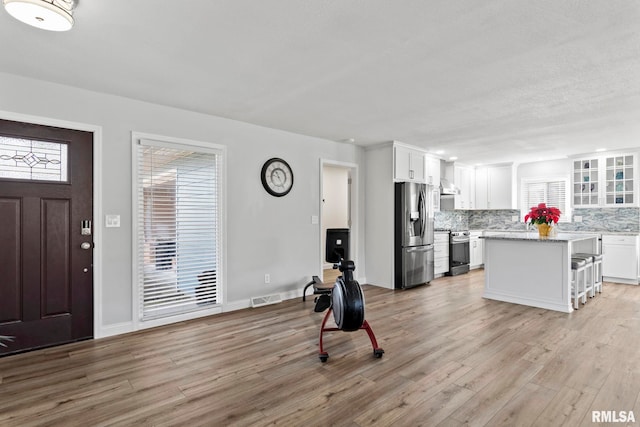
[(46, 277)]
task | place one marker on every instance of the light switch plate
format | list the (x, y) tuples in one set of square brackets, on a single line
[(314, 219), (112, 221)]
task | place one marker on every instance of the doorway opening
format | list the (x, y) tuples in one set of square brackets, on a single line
[(338, 209)]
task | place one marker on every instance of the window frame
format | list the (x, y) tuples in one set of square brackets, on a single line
[(565, 217), (192, 145)]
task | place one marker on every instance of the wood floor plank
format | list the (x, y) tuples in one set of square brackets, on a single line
[(394, 407), (486, 402), (451, 358), (524, 408), (568, 408), (437, 408), (619, 393)]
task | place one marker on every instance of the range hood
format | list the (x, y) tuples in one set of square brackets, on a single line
[(447, 187)]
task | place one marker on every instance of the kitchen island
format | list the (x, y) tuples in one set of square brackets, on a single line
[(523, 268)]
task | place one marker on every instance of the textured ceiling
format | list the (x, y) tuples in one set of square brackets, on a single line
[(484, 81)]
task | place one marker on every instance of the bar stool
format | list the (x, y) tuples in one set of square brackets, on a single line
[(596, 279), (579, 281), (589, 277), (597, 272)]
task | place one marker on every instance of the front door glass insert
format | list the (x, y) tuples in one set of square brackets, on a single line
[(32, 160)]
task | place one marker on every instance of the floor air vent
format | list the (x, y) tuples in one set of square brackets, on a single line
[(265, 300)]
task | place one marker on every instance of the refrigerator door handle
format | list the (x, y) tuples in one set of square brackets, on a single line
[(423, 213), (419, 249)]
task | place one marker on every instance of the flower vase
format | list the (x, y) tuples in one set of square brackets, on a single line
[(543, 230)]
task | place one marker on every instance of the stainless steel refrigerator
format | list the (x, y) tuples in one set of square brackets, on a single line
[(413, 234)]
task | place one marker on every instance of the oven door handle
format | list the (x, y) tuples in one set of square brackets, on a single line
[(461, 240)]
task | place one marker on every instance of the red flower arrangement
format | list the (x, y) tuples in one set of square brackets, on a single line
[(542, 214)]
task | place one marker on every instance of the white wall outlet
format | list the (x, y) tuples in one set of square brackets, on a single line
[(315, 219), (577, 218), (267, 278), (514, 218)]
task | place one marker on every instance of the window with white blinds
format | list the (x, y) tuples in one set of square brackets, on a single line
[(553, 192), (178, 227)]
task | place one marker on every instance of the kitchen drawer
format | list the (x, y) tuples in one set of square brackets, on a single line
[(441, 238), (619, 240), (441, 265), (440, 250)]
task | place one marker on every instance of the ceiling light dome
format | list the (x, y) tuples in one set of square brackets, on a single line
[(52, 15)]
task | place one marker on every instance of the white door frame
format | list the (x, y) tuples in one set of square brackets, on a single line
[(354, 210), (97, 199)]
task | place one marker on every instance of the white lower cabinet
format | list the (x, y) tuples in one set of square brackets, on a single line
[(476, 249), (620, 258), (440, 253)]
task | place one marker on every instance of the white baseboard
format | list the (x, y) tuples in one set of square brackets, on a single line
[(237, 305), (115, 329), (126, 327), (619, 280)]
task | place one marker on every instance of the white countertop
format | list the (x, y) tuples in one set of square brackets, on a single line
[(534, 237), (597, 232)]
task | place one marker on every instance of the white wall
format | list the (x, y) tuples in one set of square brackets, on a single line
[(264, 234), (544, 169), (380, 216)]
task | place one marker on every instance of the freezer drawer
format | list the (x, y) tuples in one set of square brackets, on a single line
[(417, 265)]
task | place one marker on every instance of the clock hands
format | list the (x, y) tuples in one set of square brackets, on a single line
[(277, 177)]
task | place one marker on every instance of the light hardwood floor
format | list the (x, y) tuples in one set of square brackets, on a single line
[(329, 275), (452, 358)]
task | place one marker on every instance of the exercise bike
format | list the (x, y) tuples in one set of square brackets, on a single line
[(347, 305)]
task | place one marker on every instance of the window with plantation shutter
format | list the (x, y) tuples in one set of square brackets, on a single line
[(178, 228), (553, 192)]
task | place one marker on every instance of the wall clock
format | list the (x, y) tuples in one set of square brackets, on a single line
[(277, 177)]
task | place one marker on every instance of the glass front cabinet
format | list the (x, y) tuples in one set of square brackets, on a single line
[(604, 181)]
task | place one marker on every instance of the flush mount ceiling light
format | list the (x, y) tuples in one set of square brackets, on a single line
[(52, 15)]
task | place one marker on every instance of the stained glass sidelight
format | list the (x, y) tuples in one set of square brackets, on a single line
[(32, 160)]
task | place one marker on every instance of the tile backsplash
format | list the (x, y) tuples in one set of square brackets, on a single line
[(605, 219), (495, 220), (452, 220), (593, 219)]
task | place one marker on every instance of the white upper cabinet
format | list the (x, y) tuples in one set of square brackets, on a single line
[(619, 176), (495, 187), (433, 178), (482, 188), (500, 187), (605, 181), (433, 170), (464, 177), (586, 182), (408, 164)]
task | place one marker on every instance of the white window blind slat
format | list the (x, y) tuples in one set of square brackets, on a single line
[(553, 192), (178, 192)]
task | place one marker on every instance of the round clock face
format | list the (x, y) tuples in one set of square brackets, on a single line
[(277, 177)]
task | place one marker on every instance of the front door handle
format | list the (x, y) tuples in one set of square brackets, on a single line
[(85, 245)]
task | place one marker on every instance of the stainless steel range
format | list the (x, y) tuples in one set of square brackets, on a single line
[(458, 253)]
